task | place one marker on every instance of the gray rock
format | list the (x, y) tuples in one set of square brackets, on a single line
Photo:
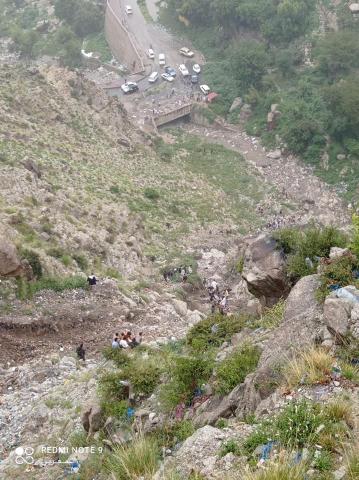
[(264, 270), (300, 328), (237, 103), (336, 252), (180, 307), (336, 315), (275, 154)]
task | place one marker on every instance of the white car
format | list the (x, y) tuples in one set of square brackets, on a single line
[(128, 9), (186, 52), (167, 76), (151, 54), (153, 77), (183, 69), (129, 87), (196, 68), (161, 59), (205, 89)]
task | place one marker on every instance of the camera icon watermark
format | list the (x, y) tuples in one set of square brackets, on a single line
[(24, 455)]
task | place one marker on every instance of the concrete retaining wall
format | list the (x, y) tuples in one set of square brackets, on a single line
[(120, 41)]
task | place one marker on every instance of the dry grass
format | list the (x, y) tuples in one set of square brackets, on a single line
[(282, 469), (310, 367), (338, 410), (352, 461), (140, 459)]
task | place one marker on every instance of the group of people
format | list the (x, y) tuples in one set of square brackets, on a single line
[(217, 298), (183, 271), (126, 340)]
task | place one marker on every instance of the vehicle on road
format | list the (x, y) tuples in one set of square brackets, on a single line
[(153, 77), (128, 9), (186, 52), (171, 71), (194, 78), (129, 87), (151, 54), (205, 89), (196, 68), (167, 76), (184, 70), (162, 59)]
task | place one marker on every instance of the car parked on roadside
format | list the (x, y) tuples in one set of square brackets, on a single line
[(196, 68), (128, 9), (204, 89), (184, 70), (171, 71), (153, 77), (151, 54), (129, 87), (186, 52), (194, 78), (167, 77), (162, 59)]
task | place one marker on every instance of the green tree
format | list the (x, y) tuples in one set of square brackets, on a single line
[(70, 55), (25, 41), (343, 101), (338, 53), (249, 62)]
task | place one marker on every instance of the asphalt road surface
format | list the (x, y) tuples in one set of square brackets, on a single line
[(153, 35)]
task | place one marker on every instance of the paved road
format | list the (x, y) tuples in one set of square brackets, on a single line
[(146, 35)]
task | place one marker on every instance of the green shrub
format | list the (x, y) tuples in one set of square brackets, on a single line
[(151, 193), (110, 387), (114, 189), (234, 369), (231, 446), (139, 459), (144, 374), (66, 260), (222, 423), (201, 337), (116, 409), (81, 260), (186, 375), (272, 316), (26, 290), (240, 265), (338, 271), (34, 260), (117, 355), (309, 243), (56, 252), (324, 462)]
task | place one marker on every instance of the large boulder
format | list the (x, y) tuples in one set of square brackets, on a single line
[(218, 407), (341, 313), (93, 418), (198, 453), (10, 264), (264, 270), (300, 328)]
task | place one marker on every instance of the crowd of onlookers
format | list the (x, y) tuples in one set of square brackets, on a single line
[(126, 340), (218, 299)]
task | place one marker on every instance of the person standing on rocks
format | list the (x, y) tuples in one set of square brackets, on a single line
[(92, 280), (81, 352)]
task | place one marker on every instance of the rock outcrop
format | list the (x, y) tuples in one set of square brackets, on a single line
[(301, 327), (341, 315), (264, 270), (10, 264)]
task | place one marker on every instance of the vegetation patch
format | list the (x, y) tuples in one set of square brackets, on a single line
[(304, 248), (26, 290), (234, 369)]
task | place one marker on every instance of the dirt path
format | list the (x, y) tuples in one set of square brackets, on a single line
[(315, 200)]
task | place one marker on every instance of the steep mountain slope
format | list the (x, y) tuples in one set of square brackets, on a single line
[(80, 182)]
